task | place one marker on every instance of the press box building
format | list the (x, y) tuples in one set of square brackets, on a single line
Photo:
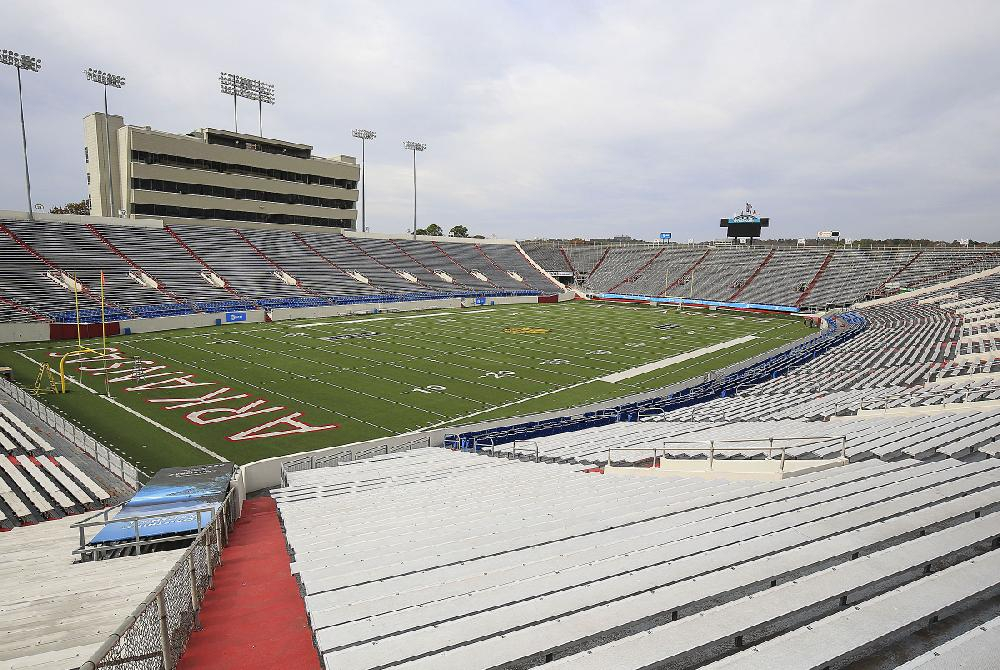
[(214, 176)]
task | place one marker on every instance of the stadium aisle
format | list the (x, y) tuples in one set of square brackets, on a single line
[(254, 617)]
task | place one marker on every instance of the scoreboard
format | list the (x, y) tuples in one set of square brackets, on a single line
[(746, 223)]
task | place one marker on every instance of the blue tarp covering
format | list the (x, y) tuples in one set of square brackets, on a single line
[(171, 490)]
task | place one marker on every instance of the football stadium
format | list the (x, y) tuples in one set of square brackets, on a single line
[(239, 428)]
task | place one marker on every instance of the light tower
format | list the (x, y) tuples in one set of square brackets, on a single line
[(364, 136), (106, 79), (251, 89), (414, 147), (31, 64)]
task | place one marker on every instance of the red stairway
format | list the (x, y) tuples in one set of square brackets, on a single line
[(898, 272), (135, 266), (639, 270), (84, 290), (812, 284), (254, 616), (687, 272), (273, 262), (225, 282), (753, 275), (452, 259)]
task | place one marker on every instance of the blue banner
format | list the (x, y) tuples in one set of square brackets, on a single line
[(706, 303), (664, 236), (233, 317)]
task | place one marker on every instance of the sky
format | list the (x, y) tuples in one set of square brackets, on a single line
[(557, 118)]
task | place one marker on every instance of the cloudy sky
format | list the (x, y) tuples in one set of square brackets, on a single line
[(558, 118)]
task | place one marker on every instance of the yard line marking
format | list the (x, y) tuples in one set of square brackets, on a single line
[(138, 414), (680, 358), (393, 318)]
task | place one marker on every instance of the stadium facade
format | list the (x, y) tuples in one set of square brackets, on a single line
[(212, 175)]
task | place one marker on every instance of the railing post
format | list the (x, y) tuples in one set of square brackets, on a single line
[(843, 447), (161, 609), (218, 536), (536, 452), (711, 454), (194, 591), (135, 530), (208, 559), (770, 447), (609, 456), (783, 458)]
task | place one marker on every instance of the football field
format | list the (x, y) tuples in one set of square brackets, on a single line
[(249, 391)]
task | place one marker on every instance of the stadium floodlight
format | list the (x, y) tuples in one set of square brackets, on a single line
[(251, 89), (414, 147), (20, 62), (364, 136), (106, 79)]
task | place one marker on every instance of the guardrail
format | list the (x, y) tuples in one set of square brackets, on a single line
[(712, 449), (155, 634), (98, 552), (114, 463), (347, 455)]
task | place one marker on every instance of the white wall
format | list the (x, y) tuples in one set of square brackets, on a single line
[(285, 313), (24, 332), (187, 321)]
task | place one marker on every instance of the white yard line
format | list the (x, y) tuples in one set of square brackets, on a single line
[(680, 358), (141, 416)]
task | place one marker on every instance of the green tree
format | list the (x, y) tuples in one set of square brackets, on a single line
[(81, 208), (433, 229), (459, 231)]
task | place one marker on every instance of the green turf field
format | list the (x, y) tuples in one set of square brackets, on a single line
[(232, 391)]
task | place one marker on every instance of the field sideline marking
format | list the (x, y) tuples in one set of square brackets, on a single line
[(679, 358), (138, 414), (392, 318)]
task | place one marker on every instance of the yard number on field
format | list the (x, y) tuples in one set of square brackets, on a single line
[(498, 375), (430, 388)]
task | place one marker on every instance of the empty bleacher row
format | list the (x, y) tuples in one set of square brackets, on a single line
[(49, 269), (36, 483), (953, 435), (439, 559), (54, 612), (811, 278)]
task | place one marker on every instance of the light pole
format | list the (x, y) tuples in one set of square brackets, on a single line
[(251, 89), (363, 135), (32, 64), (107, 79), (414, 147)]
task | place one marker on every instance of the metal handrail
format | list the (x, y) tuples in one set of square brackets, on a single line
[(712, 449), (314, 462), (513, 448), (137, 544), (217, 532)]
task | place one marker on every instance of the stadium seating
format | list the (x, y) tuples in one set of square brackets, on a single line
[(813, 278), (55, 613), (438, 559), (36, 482), (152, 271)]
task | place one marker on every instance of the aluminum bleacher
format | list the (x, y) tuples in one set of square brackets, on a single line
[(36, 482), (811, 278), (55, 613), (49, 268), (441, 559)]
